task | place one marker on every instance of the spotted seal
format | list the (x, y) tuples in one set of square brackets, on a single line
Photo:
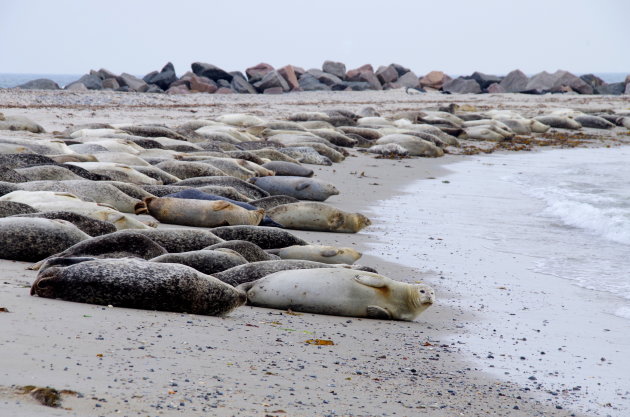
[(297, 187), (205, 261), (249, 251), (264, 237), (135, 283), (320, 253), (318, 217)]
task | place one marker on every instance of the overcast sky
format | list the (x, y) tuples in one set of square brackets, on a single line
[(458, 37)]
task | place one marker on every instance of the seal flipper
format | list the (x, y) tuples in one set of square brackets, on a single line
[(376, 312), (375, 281), (302, 186), (327, 253)]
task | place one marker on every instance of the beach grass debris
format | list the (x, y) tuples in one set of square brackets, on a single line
[(319, 342), (4, 310), (47, 396)]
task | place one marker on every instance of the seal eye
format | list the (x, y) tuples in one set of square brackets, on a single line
[(422, 291)]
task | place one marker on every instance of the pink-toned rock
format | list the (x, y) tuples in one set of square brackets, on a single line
[(257, 72), (288, 73), (299, 71), (365, 73), (224, 90), (496, 88), (199, 84), (435, 80), (387, 74), (178, 89), (273, 90)]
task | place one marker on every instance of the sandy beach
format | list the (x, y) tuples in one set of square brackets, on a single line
[(501, 340)]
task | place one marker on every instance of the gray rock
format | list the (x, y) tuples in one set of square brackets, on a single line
[(387, 74), (515, 82), (111, 83), (592, 80), (495, 89), (400, 69), (40, 84), (271, 80), (614, 89), (309, 83), (134, 83), (462, 86), (566, 79), (542, 81), (210, 71), (162, 79), (338, 69), (325, 78), (352, 85), (240, 85), (484, 80), (258, 72), (409, 79), (76, 86), (154, 89), (104, 74)]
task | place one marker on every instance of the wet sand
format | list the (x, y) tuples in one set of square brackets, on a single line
[(256, 361)]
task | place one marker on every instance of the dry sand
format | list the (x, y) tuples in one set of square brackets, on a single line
[(255, 362)]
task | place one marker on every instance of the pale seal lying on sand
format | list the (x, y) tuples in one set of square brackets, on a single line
[(559, 122), (340, 292), (319, 253), (414, 145), (198, 213), (135, 283), (319, 217), (297, 187), (26, 239), (264, 237), (205, 261), (256, 270), (288, 169), (273, 201)]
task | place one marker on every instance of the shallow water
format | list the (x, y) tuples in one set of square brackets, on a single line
[(13, 80)]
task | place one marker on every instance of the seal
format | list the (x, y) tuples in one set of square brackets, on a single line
[(389, 149), (288, 169), (256, 270), (194, 194), (594, 122), (241, 186), (12, 208), (184, 170), (113, 245), (205, 261), (273, 155), (47, 172), (164, 190), (273, 201), (117, 172), (318, 217), (297, 187), (26, 239), (264, 237), (340, 292), (414, 145), (559, 122), (157, 174), (178, 239), (198, 213), (134, 283), (96, 191), (249, 251), (306, 155), (320, 253), (86, 224)]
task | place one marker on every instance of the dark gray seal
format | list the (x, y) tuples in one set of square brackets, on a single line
[(298, 187), (31, 240), (135, 283), (178, 239), (92, 227), (164, 190), (205, 261), (274, 201), (249, 251), (264, 237), (288, 169), (241, 186), (256, 270), (594, 122), (13, 208), (113, 245)]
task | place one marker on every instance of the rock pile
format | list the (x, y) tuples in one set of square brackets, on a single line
[(265, 79)]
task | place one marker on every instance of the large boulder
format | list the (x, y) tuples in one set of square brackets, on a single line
[(197, 84), (103, 74), (434, 79), (162, 79), (310, 83), (90, 81), (76, 86), (210, 71), (40, 84), (110, 83), (289, 75), (386, 74), (258, 72), (543, 81), (515, 82), (614, 89), (495, 89), (408, 79), (400, 69), (365, 73), (338, 69), (325, 77), (592, 80), (462, 86), (566, 79), (484, 80), (272, 79), (132, 82), (240, 85)]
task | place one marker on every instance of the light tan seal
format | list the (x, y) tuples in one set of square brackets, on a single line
[(340, 292), (319, 253), (317, 216)]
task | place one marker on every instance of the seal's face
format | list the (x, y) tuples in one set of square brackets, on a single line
[(420, 297)]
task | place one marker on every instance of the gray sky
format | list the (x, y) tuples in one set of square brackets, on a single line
[(458, 37)]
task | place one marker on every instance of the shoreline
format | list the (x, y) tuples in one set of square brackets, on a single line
[(255, 361)]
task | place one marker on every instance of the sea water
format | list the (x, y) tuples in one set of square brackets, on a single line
[(13, 80)]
